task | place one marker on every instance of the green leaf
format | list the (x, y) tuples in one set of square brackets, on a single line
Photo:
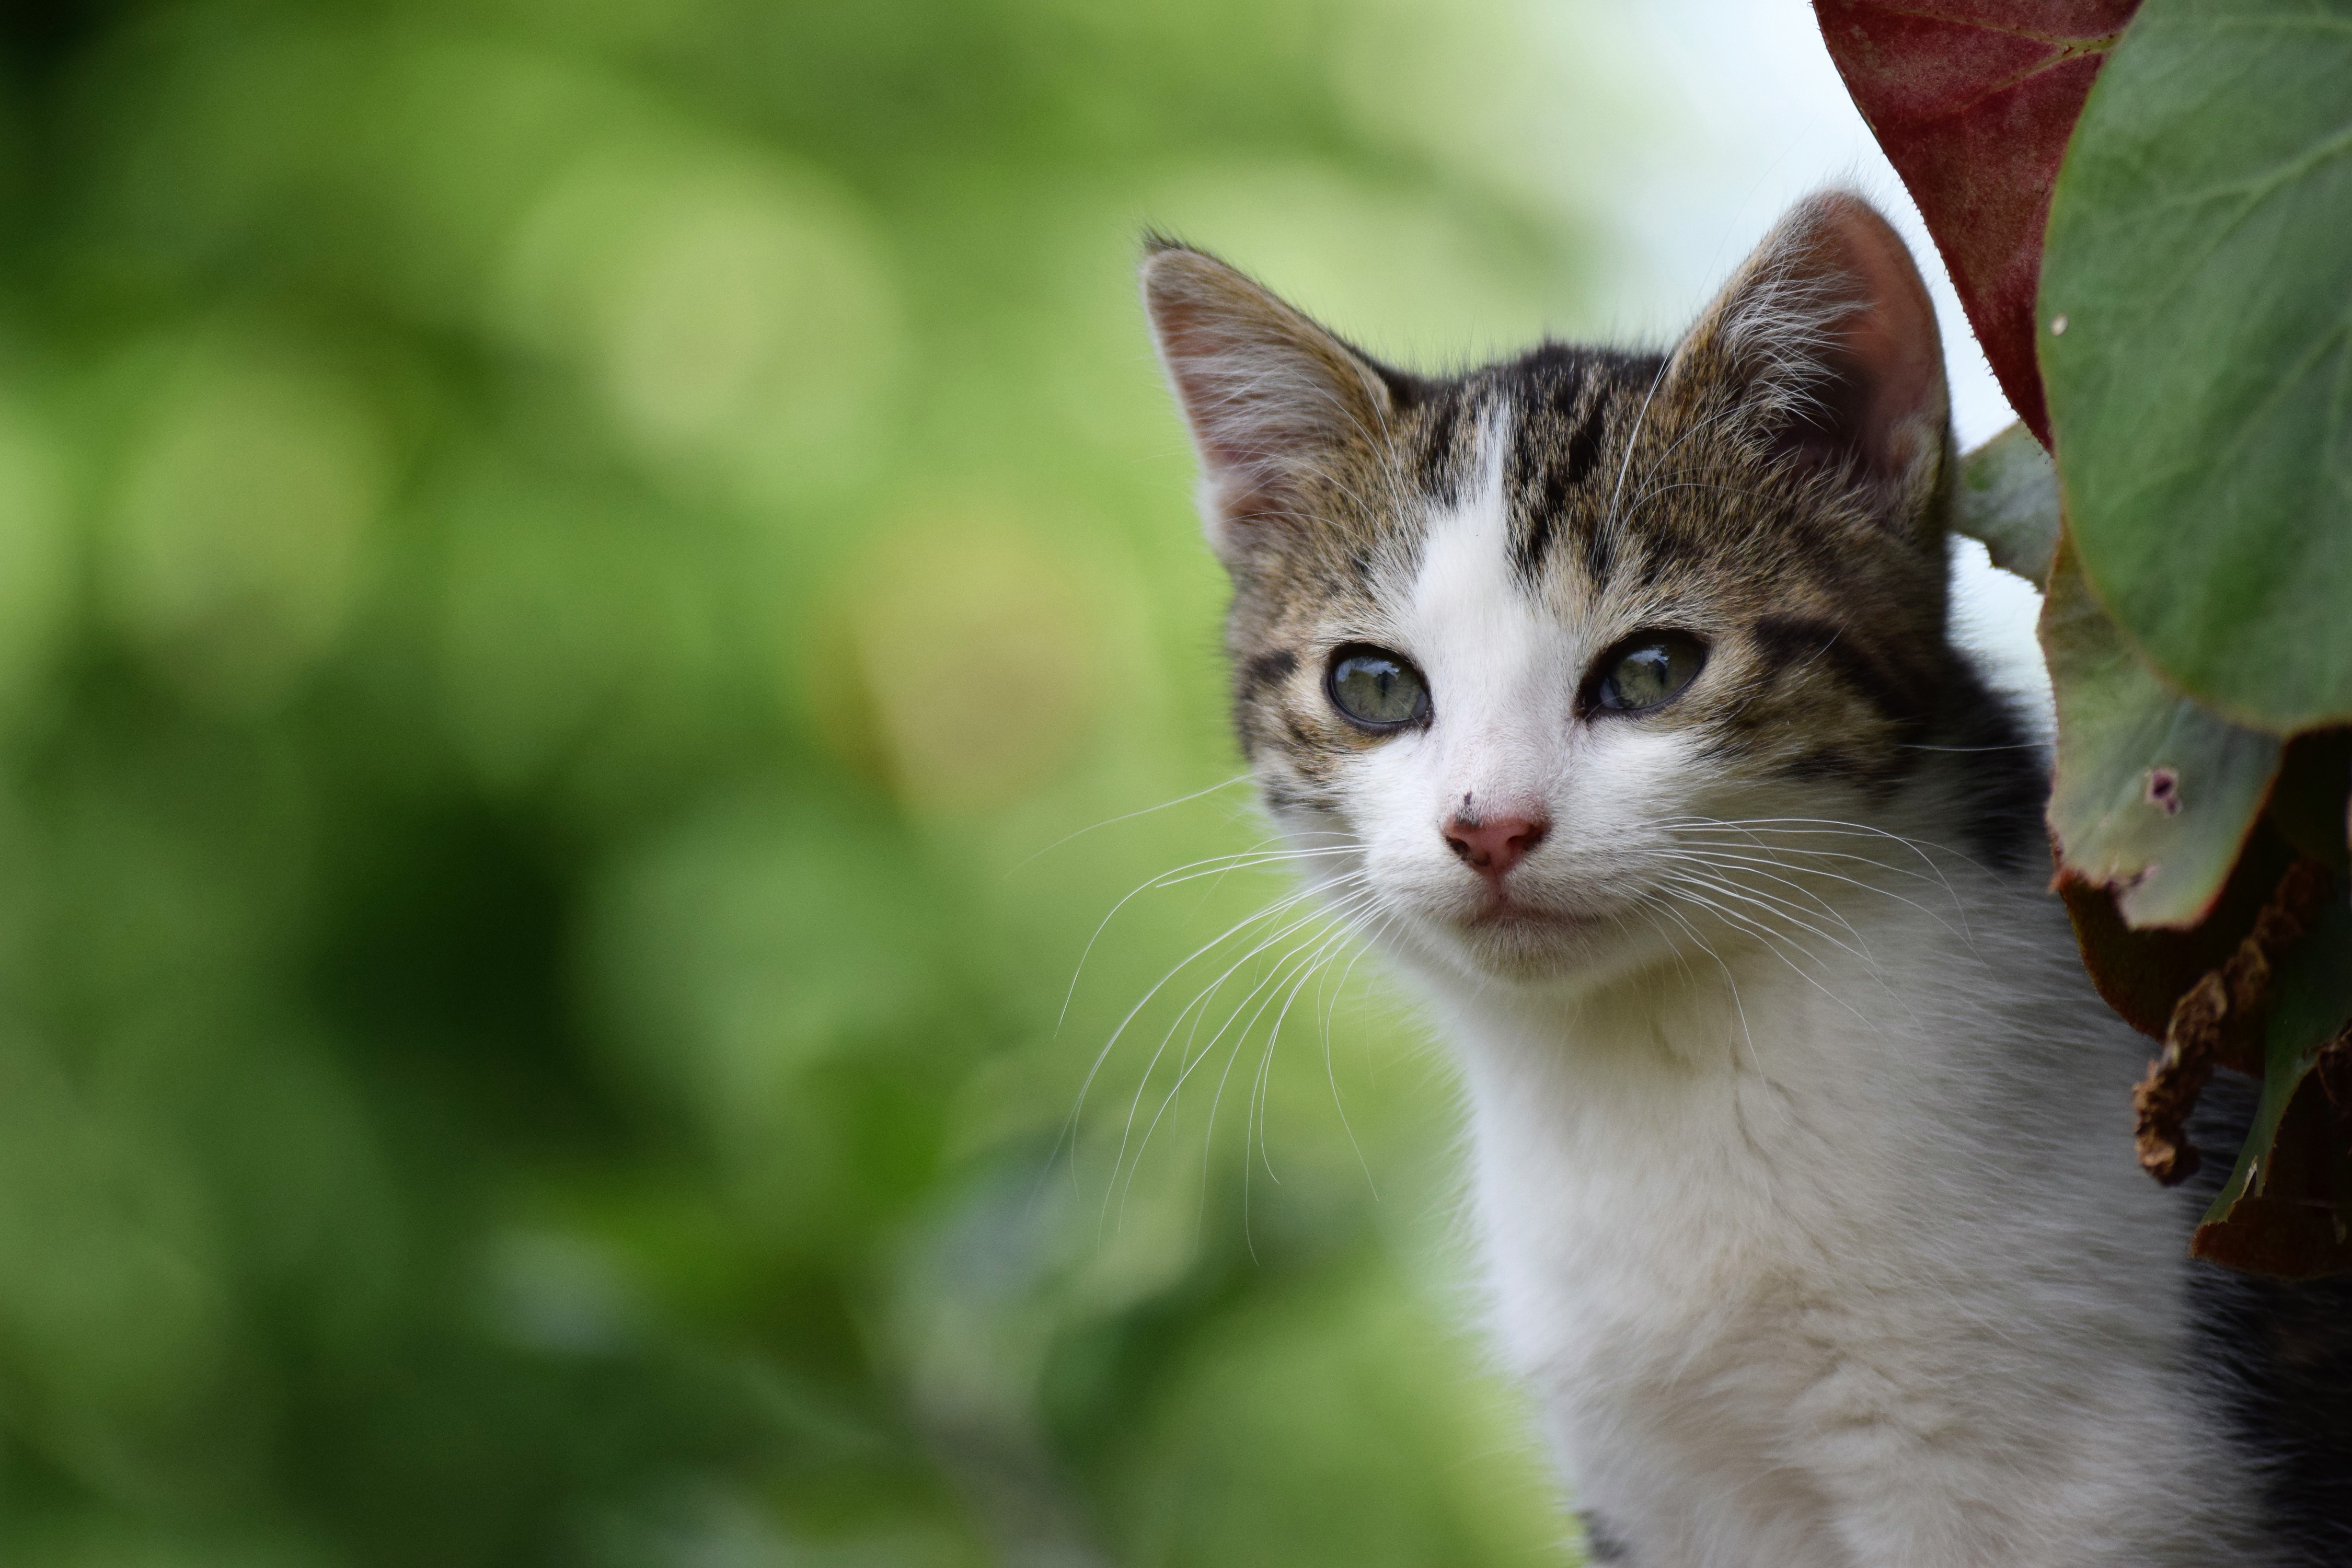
[(2283, 1210), (2154, 795), (2008, 500), (2196, 314)]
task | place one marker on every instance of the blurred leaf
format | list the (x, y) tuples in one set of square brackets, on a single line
[(1338, 1388), (2154, 795), (2008, 500), (242, 519), (38, 590), (117, 1327), (980, 654), (1973, 102), (783, 979), (2198, 270), (700, 284), (576, 635)]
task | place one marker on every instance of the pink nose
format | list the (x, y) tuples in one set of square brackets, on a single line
[(1493, 845)]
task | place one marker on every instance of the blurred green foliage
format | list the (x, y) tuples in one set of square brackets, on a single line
[(560, 561)]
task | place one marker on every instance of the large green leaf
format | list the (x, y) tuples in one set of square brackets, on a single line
[(2196, 309), (2154, 795), (2008, 500)]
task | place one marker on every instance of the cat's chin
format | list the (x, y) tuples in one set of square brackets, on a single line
[(1531, 945)]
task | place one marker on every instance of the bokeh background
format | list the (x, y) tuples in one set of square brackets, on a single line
[(567, 569)]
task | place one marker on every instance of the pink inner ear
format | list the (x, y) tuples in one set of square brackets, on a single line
[(1262, 387), (1196, 340), (1892, 350)]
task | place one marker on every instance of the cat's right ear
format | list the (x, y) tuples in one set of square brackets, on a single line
[(1273, 400), (1827, 340)]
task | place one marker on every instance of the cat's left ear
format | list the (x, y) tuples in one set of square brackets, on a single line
[(1828, 339), (1274, 400)]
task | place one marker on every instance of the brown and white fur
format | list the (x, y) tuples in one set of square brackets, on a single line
[(1801, 1141)]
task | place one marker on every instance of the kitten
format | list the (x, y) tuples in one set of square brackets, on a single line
[(1615, 692)]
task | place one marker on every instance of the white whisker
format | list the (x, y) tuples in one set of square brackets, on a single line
[(1130, 817), (1188, 1059)]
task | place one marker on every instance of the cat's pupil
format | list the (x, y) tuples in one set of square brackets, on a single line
[(1651, 673), (1378, 689), (1643, 675)]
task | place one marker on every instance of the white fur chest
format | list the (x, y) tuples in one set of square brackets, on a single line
[(1800, 1281), (1661, 1226)]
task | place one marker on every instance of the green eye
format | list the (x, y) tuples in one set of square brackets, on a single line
[(1378, 690), (1648, 671)]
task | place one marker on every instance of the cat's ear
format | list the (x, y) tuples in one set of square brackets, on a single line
[(1828, 339), (1272, 399)]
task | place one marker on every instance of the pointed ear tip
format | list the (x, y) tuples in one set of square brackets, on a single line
[(1842, 201), (1852, 219), (1847, 230), (1863, 227), (1169, 267)]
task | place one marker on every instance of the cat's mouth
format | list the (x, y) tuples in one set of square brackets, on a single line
[(1523, 939), (1499, 910)]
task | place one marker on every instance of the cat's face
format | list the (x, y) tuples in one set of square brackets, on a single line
[(1503, 644)]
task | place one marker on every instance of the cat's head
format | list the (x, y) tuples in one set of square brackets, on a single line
[(1499, 640)]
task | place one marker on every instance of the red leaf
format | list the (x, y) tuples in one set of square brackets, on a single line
[(1973, 101)]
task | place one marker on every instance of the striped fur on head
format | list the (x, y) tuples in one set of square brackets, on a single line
[(1776, 485)]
